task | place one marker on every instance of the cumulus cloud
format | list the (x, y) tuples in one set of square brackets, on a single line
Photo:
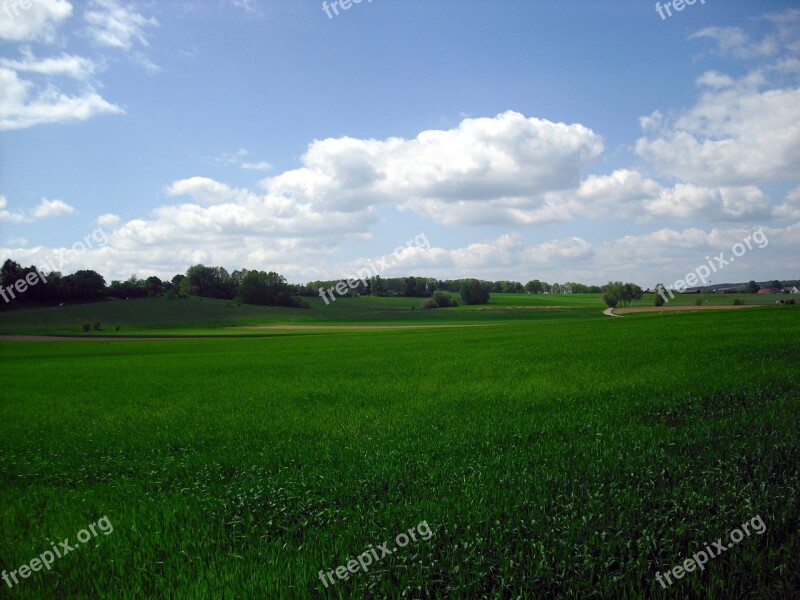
[(38, 22), (790, 208), (21, 105), (494, 170), (734, 135), (108, 220), (741, 131), (44, 210)]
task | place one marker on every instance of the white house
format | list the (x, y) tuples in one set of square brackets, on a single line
[(794, 290)]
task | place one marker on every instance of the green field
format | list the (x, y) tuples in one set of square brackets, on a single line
[(553, 452)]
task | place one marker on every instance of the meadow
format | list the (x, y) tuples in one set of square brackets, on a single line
[(553, 452)]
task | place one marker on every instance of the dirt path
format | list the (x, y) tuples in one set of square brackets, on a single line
[(350, 327), (618, 312), (64, 338), (343, 328)]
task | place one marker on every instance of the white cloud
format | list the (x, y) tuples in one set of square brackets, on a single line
[(239, 159), (206, 190), (44, 210), (734, 41), (734, 135), (783, 36), (250, 6), (113, 24), (108, 220), (790, 209), (488, 170), (257, 166), (21, 106), (66, 65), (688, 202), (38, 22), (52, 208)]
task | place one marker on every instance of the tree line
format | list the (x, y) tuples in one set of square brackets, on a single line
[(272, 289)]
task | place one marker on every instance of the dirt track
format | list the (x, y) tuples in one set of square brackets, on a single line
[(350, 327), (343, 328), (640, 309)]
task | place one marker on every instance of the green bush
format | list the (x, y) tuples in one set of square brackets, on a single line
[(430, 303), (443, 299), (738, 302)]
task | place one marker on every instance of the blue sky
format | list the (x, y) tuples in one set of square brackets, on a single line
[(560, 140)]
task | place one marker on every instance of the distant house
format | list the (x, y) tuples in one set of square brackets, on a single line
[(764, 291), (794, 290)]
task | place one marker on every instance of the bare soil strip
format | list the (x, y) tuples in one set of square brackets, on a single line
[(351, 327), (641, 309), (65, 338)]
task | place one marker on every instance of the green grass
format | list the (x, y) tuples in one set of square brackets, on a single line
[(553, 453), (161, 316), (196, 316)]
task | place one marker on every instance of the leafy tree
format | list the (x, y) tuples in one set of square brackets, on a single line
[(410, 287), (612, 295), (534, 287), (85, 286), (660, 296), (266, 289), (474, 292), (616, 293), (753, 287), (211, 282)]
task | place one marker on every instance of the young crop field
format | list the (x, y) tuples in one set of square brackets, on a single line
[(544, 452)]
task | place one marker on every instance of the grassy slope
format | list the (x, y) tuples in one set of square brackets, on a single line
[(560, 455), (204, 317), (179, 316)]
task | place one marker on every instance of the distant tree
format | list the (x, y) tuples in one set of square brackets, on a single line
[(211, 282), (153, 285), (660, 293), (753, 287), (617, 293), (534, 287), (410, 287), (631, 292), (267, 289), (85, 286), (474, 292), (612, 295), (776, 285), (377, 286)]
